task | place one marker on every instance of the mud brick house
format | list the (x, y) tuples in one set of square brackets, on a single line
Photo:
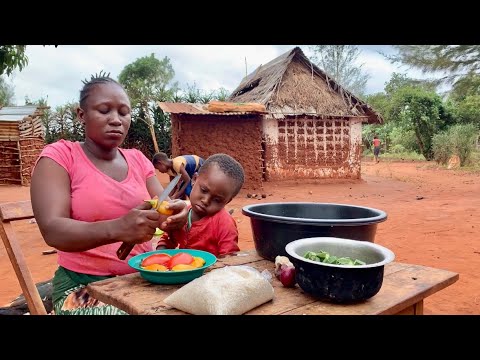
[(313, 128), (21, 141), (196, 130)]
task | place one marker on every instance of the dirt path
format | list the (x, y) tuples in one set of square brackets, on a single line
[(432, 221)]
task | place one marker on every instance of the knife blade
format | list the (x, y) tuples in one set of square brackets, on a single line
[(125, 248)]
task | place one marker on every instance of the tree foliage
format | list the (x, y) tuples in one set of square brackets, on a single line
[(146, 81), (6, 93), (454, 61), (339, 61), (12, 57)]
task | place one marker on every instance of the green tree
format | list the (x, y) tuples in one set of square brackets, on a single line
[(12, 57), (423, 112), (339, 61), (6, 93), (146, 81), (455, 62)]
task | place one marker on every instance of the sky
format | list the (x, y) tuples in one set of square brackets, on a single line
[(57, 73)]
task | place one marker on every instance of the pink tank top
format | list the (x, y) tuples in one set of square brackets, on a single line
[(95, 197)]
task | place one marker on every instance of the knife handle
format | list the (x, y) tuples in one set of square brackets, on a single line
[(124, 250)]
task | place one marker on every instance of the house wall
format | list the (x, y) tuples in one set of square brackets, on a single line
[(30, 149), (18, 158), (9, 131), (307, 147), (237, 136)]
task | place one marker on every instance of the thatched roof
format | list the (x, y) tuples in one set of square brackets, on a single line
[(292, 85)]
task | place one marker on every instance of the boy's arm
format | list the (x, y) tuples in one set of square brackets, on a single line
[(167, 241), (186, 180), (227, 234)]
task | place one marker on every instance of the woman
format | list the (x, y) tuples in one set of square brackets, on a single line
[(88, 197)]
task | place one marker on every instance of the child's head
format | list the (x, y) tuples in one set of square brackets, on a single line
[(217, 182), (161, 162)]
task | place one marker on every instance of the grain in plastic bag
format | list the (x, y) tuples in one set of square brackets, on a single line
[(231, 290)]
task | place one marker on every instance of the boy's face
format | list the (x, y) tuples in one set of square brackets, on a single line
[(211, 191), (160, 166)]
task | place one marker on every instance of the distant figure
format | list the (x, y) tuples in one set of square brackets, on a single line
[(376, 147), (187, 165)]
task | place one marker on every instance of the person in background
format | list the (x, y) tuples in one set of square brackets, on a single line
[(376, 147), (210, 227), (187, 165), (88, 198)]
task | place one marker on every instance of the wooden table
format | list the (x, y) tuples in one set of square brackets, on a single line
[(404, 288)]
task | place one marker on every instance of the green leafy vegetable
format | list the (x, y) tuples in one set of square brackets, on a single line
[(325, 257)]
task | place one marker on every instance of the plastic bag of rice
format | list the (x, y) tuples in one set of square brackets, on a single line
[(231, 290)]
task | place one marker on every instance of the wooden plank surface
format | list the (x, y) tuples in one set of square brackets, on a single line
[(404, 286), (16, 210)]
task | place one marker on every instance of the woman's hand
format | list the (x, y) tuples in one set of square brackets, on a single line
[(139, 224), (179, 217)]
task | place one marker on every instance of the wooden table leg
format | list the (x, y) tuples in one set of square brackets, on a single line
[(415, 309)]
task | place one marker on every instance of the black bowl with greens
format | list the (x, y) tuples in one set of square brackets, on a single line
[(339, 270)]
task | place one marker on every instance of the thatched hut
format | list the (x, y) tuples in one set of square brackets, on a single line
[(196, 130), (314, 126), (21, 141)]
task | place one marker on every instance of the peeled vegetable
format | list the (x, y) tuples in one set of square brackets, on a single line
[(160, 207), (285, 271)]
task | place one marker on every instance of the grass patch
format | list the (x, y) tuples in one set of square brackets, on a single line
[(403, 156)]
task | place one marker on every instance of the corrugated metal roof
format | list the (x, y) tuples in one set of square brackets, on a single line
[(16, 113), (195, 109)]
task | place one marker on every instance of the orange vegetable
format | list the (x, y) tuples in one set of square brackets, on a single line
[(161, 208), (155, 267), (198, 262), (181, 267)]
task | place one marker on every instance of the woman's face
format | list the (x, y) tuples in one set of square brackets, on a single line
[(106, 115)]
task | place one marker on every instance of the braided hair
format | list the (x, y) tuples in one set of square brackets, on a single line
[(100, 78)]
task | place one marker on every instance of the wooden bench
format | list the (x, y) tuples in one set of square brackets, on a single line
[(10, 212)]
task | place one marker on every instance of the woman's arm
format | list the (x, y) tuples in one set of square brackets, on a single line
[(50, 193)]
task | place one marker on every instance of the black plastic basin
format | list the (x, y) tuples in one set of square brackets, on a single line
[(274, 225)]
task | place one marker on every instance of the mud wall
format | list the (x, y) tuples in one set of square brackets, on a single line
[(306, 147), (17, 159), (237, 136), (30, 149)]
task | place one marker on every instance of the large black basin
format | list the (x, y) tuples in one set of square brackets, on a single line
[(274, 225)]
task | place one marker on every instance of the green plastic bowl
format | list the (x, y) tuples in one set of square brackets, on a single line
[(172, 277)]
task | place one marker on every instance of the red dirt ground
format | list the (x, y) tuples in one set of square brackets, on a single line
[(439, 230)]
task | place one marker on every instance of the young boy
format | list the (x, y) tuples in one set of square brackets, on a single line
[(210, 227), (187, 165)]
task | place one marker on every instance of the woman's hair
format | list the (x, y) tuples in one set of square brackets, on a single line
[(100, 78), (229, 166), (159, 157)]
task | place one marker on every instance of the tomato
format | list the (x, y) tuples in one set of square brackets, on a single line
[(180, 258), (160, 259)]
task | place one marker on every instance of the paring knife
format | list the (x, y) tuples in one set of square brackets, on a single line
[(125, 248)]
